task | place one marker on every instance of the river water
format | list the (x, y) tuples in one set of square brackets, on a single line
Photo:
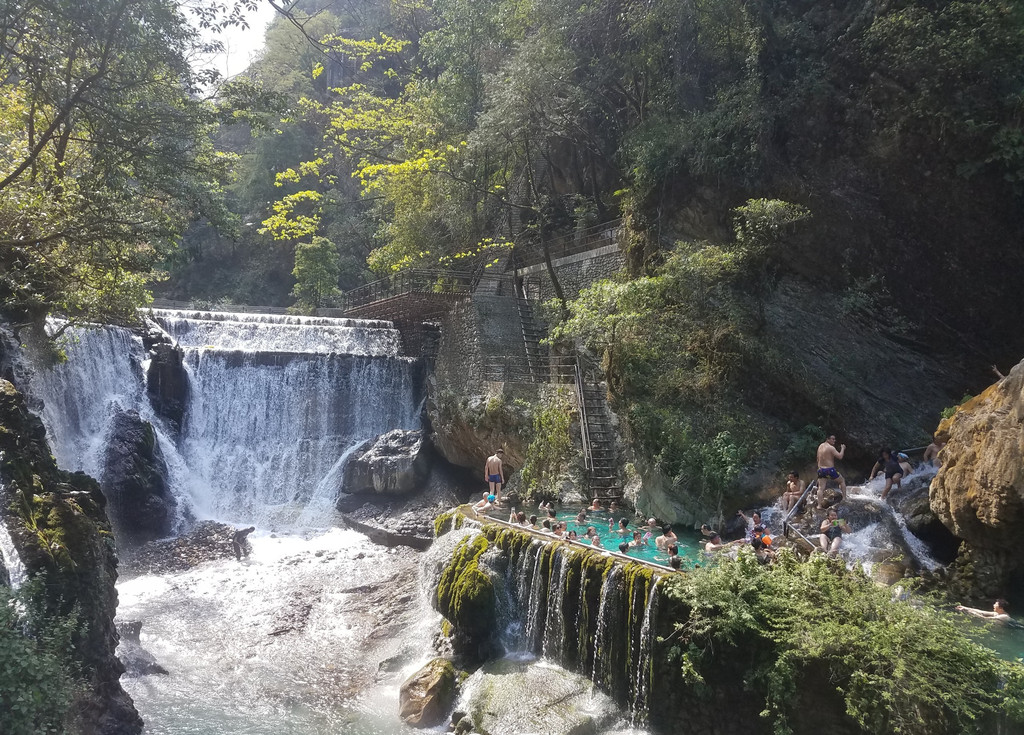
[(314, 632)]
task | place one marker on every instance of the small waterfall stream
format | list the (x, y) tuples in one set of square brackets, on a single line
[(12, 561)]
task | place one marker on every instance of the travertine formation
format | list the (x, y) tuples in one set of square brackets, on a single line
[(979, 492)]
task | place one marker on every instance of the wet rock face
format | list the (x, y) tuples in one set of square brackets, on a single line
[(979, 491), (134, 482), (166, 379), (425, 698), (206, 541), (71, 541), (395, 463)]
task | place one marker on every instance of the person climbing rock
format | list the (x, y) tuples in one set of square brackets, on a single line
[(494, 474), (931, 452), (827, 456), (889, 463), (239, 542)]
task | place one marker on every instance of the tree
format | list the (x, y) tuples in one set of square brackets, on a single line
[(317, 267), (107, 151)]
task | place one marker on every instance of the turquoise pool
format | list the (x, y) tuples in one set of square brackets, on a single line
[(689, 542)]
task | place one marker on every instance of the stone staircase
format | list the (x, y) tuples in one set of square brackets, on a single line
[(533, 333), (598, 435)]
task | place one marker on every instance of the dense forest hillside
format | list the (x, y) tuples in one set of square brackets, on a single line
[(866, 159)]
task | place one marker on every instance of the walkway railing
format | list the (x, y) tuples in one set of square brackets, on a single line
[(588, 453), (414, 280), (579, 241), (515, 369)]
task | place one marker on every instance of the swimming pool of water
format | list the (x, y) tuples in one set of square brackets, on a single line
[(606, 526)]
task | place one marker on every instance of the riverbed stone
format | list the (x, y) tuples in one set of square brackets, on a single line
[(395, 463), (425, 698), (507, 696)]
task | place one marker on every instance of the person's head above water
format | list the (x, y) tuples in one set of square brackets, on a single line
[(666, 529), (1001, 606), (623, 547), (623, 523)]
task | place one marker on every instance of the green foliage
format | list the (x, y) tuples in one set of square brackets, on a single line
[(317, 266), (948, 411), (38, 677), (802, 445), (899, 668), (108, 154), (551, 445)]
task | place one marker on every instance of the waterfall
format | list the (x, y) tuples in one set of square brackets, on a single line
[(267, 429), (554, 625), (602, 633), (16, 574), (642, 681)]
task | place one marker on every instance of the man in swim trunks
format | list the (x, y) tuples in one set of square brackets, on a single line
[(827, 456), (794, 490), (494, 474)]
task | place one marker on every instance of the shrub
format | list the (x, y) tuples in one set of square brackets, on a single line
[(38, 678), (899, 667)]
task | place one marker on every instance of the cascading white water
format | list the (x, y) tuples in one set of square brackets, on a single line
[(103, 375), (554, 626), (602, 633), (12, 561), (267, 428), (641, 682)]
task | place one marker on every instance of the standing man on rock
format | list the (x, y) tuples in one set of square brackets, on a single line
[(827, 456), (494, 474), (240, 543)]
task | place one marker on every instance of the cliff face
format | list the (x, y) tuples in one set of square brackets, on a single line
[(979, 492), (59, 526)]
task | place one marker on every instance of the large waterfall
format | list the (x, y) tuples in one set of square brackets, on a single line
[(275, 405)]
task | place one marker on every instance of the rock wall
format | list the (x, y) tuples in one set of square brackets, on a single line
[(575, 272), (59, 526), (979, 491)]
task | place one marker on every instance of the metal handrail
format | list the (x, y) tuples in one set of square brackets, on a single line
[(514, 369), (787, 526), (588, 455), (579, 241)]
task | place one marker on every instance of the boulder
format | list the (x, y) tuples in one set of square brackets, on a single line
[(134, 481), (166, 379), (426, 697), (507, 696), (395, 463), (136, 659), (978, 492)]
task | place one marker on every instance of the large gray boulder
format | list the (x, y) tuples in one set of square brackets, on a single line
[(508, 696), (166, 379), (395, 463), (134, 482)]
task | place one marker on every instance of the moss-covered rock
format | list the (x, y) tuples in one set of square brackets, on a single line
[(465, 593), (58, 523), (425, 697)]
